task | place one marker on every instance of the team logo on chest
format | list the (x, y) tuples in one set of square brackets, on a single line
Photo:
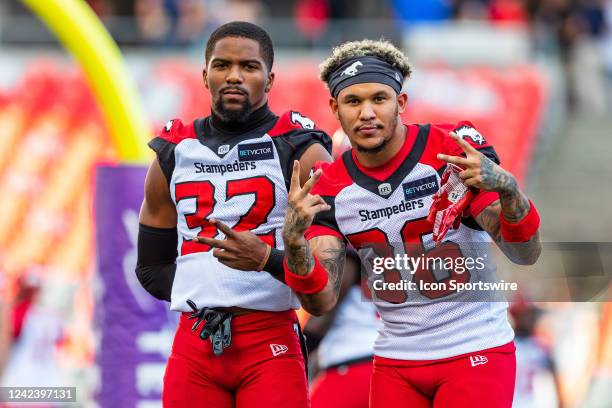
[(255, 151), (384, 189), (420, 188)]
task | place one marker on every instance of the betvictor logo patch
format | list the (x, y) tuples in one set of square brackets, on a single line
[(255, 151), (420, 188)]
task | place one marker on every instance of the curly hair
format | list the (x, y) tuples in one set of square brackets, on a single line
[(376, 48)]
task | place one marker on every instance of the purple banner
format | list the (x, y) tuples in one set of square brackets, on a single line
[(135, 329)]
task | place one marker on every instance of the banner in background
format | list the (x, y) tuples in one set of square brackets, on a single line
[(135, 329)]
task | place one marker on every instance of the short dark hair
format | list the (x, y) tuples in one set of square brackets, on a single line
[(244, 30)]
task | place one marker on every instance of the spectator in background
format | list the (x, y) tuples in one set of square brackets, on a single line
[(37, 331), (537, 383), (243, 10), (573, 28), (153, 21), (184, 22), (587, 67), (191, 20)]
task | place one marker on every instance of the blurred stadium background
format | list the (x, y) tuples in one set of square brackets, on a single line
[(535, 76)]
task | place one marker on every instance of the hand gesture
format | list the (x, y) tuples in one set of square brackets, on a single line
[(301, 205), (478, 170), (239, 250)]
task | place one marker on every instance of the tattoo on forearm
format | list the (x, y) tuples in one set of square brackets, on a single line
[(514, 205), (294, 224), (297, 250), (332, 259), (494, 177), (333, 262), (299, 258), (518, 252), (489, 220)]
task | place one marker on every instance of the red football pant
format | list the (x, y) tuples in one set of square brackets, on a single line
[(484, 379), (346, 386), (263, 367)]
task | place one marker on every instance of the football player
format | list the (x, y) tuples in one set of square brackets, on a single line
[(237, 343), (439, 347)]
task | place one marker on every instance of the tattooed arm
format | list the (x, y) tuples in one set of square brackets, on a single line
[(329, 250), (481, 172), (523, 253), (317, 326)]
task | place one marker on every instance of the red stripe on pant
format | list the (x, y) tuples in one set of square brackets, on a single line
[(346, 386), (263, 367), (483, 379)]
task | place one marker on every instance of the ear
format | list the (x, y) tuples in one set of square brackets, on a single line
[(333, 105), (402, 101), (270, 82), (205, 77)]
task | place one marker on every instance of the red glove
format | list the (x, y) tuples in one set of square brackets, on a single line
[(449, 203)]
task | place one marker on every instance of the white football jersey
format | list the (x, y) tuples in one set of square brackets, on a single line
[(241, 181), (424, 321)]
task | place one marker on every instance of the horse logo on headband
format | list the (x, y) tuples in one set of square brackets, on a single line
[(352, 69)]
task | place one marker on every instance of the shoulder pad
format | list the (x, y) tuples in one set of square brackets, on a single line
[(334, 178), (463, 129), (291, 121), (174, 131)]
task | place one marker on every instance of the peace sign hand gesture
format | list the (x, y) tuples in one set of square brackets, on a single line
[(301, 205), (478, 170)]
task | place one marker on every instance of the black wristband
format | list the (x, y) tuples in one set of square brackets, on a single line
[(274, 266)]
